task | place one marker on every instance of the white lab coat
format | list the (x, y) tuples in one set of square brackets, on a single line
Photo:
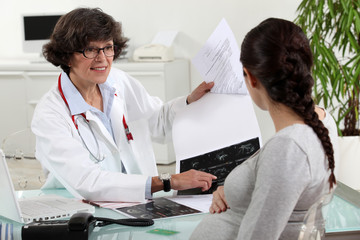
[(68, 163)]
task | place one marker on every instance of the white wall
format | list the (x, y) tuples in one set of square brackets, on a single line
[(142, 19)]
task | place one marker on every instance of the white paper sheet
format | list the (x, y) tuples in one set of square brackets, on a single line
[(213, 122), (200, 202), (113, 205), (165, 38), (219, 61)]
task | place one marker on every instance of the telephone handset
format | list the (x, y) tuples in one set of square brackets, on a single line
[(78, 227), (81, 222)]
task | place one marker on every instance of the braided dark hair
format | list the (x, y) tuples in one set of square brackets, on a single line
[(278, 54)]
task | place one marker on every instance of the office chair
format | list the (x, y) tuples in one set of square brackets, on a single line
[(313, 227), (19, 149)]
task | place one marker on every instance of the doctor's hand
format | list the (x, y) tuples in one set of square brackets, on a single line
[(219, 203), (199, 92), (192, 179)]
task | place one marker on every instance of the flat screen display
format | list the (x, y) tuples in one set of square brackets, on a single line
[(37, 30), (39, 27)]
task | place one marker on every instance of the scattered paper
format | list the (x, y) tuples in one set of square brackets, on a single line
[(218, 61)]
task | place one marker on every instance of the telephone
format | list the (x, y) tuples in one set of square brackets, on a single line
[(78, 227), (153, 53)]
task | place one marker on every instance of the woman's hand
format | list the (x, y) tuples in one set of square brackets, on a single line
[(219, 203), (199, 92), (192, 179)]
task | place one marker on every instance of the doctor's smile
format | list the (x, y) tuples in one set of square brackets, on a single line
[(99, 69)]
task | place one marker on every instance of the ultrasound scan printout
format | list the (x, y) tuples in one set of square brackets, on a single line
[(219, 163), (158, 208)]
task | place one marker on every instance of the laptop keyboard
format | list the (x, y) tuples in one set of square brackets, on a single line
[(50, 208), (37, 208)]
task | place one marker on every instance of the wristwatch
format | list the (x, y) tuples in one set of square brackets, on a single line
[(165, 178)]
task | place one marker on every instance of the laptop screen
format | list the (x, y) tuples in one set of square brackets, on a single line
[(9, 206)]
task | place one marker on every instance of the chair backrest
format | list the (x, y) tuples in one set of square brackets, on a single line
[(313, 227), (20, 144), (19, 149)]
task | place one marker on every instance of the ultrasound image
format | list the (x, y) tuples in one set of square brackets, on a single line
[(219, 163), (158, 208)]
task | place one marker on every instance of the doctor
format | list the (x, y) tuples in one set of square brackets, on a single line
[(94, 128)]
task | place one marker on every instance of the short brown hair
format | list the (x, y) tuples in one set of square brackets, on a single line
[(76, 29)]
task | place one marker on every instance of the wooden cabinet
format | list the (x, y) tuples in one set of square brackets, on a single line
[(22, 84)]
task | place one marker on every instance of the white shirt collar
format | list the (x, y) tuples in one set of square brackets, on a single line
[(76, 102)]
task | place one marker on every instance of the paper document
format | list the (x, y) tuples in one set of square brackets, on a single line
[(215, 134), (158, 208), (213, 122), (200, 202), (113, 205), (218, 61), (219, 162), (165, 38)]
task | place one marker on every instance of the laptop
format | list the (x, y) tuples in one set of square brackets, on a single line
[(44, 207)]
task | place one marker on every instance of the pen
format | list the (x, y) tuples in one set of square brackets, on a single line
[(91, 203)]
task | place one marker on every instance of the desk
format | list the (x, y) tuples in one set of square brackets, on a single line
[(342, 222)]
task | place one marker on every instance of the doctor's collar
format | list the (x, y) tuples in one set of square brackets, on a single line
[(75, 101)]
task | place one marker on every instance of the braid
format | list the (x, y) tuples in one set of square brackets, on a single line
[(311, 118), (300, 99), (277, 52), (298, 82), (297, 96)]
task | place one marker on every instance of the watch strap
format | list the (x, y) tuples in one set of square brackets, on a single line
[(167, 185), (165, 178)]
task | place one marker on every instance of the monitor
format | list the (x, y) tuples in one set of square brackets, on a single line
[(37, 30)]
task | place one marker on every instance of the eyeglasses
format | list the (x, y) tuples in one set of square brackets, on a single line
[(93, 52)]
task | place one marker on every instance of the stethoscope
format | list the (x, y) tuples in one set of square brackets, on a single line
[(99, 157)]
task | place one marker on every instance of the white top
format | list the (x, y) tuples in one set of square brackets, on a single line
[(270, 192)]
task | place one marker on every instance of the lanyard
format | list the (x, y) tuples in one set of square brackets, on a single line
[(126, 127)]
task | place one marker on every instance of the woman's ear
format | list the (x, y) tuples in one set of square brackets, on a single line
[(252, 80)]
